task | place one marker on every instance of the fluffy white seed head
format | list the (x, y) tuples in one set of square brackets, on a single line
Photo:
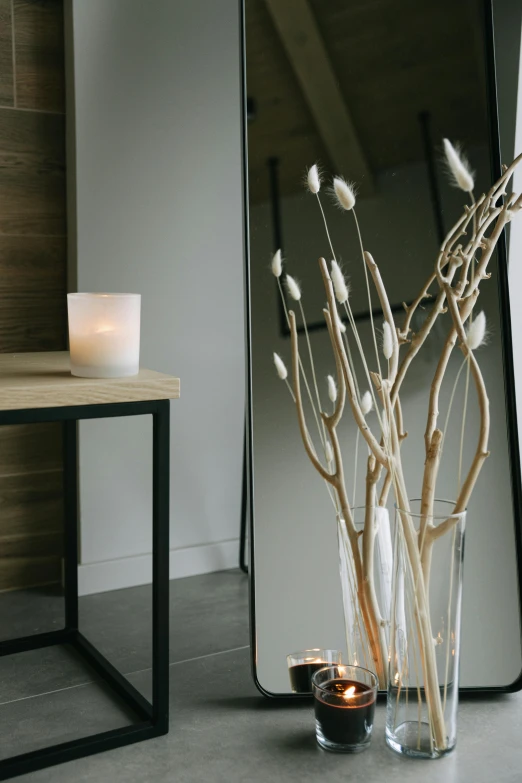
[(293, 288), (280, 367), (387, 340), (341, 289), (366, 403), (332, 388), (277, 264), (476, 332), (313, 179), (344, 193), (458, 167), (328, 451)]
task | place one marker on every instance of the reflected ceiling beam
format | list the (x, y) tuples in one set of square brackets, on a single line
[(304, 46)]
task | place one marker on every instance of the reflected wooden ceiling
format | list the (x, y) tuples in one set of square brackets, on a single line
[(343, 82)]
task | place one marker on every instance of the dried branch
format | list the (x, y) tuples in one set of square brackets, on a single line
[(388, 315), (364, 570)]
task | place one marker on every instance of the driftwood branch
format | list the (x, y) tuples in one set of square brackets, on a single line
[(388, 315), (460, 268), (364, 579)]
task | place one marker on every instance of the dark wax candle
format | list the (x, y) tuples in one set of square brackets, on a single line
[(301, 675), (344, 711)]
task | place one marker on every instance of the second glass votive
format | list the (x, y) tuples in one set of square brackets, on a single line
[(104, 334), (303, 664), (344, 703)]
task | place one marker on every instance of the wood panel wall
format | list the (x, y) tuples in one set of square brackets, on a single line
[(32, 276)]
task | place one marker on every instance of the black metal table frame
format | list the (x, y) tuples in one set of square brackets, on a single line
[(152, 718)]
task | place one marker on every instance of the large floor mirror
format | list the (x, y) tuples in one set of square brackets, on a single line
[(369, 91)]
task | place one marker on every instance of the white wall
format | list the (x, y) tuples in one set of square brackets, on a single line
[(158, 201)]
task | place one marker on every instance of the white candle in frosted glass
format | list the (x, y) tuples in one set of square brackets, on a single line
[(104, 334)]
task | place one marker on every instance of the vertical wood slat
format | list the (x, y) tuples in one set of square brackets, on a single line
[(6, 55), (33, 282), (39, 53), (32, 293), (32, 184)]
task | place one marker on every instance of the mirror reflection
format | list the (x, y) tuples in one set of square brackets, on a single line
[(367, 92)]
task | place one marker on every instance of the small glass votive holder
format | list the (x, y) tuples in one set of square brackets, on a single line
[(344, 703), (302, 664), (104, 334)]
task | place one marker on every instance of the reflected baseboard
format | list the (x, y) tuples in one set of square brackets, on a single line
[(133, 571)]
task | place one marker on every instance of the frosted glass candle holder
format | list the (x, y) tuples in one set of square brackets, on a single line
[(104, 334)]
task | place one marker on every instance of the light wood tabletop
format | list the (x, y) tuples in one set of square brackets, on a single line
[(44, 380)]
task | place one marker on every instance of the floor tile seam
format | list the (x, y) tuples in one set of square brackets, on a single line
[(125, 674)]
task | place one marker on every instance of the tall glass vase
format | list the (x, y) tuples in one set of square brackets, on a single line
[(367, 596), (423, 682)]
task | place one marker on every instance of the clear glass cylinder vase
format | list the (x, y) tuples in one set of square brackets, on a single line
[(366, 570), (423, 682)]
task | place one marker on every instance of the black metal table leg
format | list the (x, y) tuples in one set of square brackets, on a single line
[(160, 565), (70, 489), (151, 719)]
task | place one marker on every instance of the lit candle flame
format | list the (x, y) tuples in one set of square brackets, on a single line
[(104, 329), (349, 692)]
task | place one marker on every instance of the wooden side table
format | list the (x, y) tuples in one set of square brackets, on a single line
[(39, 388)]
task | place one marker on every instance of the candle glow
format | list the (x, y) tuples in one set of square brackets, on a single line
[(104, 334)]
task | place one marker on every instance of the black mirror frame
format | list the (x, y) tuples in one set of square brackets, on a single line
[(507, 353)]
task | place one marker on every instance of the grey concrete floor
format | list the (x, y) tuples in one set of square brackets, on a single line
[(222, 730)]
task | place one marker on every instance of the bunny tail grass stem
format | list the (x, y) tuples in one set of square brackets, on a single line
[(367, 373), (307, 441), (348, 308), (368, 291), (305, 379), (292, 395), (312, 366), (326, 227), (349, 313)]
